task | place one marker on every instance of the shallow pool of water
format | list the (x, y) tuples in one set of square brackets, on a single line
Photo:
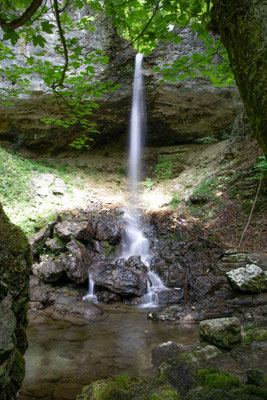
[(63, 357)]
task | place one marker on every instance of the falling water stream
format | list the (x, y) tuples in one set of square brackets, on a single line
[(134, 241), (63, 356), (91, 292)]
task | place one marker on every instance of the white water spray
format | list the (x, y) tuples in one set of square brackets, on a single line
[(90, 295), (134, 241)]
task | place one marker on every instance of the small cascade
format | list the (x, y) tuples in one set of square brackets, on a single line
[(134, 242), (90, 295)]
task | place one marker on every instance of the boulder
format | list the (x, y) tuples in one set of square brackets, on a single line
[(119, 278), (223, 332), (251, 279), (38, 291), (55, 245), (69, 229), (136, 264), (129, 388), (76, 262), (181, 373), (69, 305), (168, 314), (165, 352), (48, 270), (110, 231), (215, 384), (38, 240)]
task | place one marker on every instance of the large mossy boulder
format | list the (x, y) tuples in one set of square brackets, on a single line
[(181, 373), (128, 388), (214, 384), (248, 279), (223, 332), (15, 264)]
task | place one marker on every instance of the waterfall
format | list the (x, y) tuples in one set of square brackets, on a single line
[(90, 295), (134, 242)]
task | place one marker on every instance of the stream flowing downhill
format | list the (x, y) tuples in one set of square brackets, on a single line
[(134, 242), (91, 292)]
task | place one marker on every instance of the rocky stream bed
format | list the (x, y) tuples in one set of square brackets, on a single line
[(74, 342)]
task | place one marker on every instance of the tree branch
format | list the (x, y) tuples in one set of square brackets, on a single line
[(65, 6), (250, 215), (20, 21), (148, 23), (63, 41)]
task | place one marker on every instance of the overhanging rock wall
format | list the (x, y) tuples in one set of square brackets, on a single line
[(177, 112)]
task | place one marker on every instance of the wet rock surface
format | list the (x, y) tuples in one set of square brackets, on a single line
[(192, 266), (120, 278)]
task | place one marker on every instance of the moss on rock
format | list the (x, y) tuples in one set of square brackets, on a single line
[(15, 264), (123, 387), (214, 384), (181, 373), (15, 254), (214, 378)]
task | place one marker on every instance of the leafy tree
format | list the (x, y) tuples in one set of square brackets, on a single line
[(143, 22), (242, 27), (74, 83)]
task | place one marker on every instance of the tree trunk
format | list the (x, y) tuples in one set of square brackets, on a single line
[(242, 25)]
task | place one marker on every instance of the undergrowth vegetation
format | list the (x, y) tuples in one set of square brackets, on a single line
[(18, 179)]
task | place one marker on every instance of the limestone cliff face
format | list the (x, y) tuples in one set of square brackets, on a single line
[(15, 263), (177, 112)]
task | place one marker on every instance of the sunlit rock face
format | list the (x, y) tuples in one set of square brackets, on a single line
[(177, 112)]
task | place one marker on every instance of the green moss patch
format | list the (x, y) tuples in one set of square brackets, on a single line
[(214, 378), (15, 254), (124, 387), (254, 334)]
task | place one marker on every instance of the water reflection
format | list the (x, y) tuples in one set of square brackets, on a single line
[(63, 357)]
